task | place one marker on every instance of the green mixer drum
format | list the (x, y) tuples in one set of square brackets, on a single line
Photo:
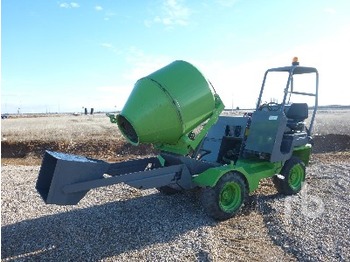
[(166, 104)]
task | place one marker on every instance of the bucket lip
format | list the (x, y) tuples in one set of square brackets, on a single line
[(133, 142)]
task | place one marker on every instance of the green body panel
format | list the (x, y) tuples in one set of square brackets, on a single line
[(185, 144), (303, 152), (166, 104), (211, 176), (252, 170), (255, 170)]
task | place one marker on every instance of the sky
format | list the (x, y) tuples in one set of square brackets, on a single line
[(62, 56)]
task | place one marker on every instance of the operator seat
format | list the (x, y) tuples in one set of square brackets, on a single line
[(296, 113)]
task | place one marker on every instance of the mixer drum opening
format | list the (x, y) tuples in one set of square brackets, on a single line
[(127, 129)]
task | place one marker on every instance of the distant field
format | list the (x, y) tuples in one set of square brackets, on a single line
[(96, 136), (332, 122), (92, 136), (87, 127), (62, 128)]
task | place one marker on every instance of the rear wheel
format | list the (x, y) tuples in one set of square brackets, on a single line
[(293, 176), (226, 198)]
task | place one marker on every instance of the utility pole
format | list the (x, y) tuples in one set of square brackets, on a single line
[(232, 104)]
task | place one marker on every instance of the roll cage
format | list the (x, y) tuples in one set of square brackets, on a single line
[(295, 69)]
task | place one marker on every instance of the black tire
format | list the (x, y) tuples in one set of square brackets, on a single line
[(293, 176), (167, 190), (225, 199)]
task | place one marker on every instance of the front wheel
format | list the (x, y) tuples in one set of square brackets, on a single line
[(225, 199), (293, 176)]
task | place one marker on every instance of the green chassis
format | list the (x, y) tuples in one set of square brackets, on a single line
[(251, 170)]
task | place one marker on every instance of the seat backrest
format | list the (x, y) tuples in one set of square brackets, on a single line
[(297, 111)]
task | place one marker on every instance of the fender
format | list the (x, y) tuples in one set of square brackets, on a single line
[(303, 152), (252, 172)]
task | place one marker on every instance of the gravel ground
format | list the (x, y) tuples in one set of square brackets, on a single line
[(119, 223), (313, 225)]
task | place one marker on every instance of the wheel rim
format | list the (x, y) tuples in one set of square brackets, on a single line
[(230, 197), (296, 176)]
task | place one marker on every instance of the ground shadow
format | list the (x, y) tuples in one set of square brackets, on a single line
[(274, 224), (105, 230)]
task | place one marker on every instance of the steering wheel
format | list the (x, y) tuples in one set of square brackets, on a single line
[(271, 106)]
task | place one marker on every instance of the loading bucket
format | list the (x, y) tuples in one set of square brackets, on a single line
[(59, 169), (166, 104)]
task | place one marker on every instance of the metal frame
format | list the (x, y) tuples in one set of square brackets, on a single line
[(64, 179), (293, 70)]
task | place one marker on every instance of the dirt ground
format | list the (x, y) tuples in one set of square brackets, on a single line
[(31, 152), (24, 140)]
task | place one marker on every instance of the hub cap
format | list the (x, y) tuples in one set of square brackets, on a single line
[(230, 197), (296, 176)]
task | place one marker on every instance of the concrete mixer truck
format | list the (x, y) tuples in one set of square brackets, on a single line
[(178, 111)]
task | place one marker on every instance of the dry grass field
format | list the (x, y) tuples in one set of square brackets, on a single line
[(93, 136), (96, 136), (120, 223)]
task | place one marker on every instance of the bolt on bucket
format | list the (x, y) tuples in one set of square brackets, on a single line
[(166, 104), (59, 169)]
